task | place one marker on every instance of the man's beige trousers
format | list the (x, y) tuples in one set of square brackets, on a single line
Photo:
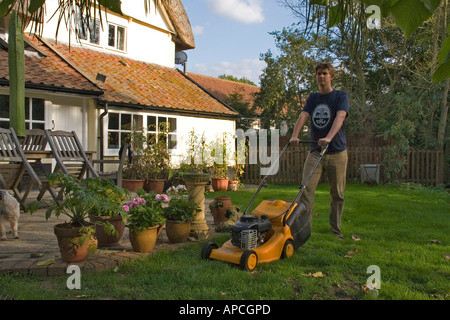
[(335, 167)]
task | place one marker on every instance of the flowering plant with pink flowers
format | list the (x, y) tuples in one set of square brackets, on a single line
[(144, 211), (162, 197)]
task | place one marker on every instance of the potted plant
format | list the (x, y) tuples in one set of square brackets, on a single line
[(76, 237), (144, 220), (197, 156), (157, 163), (218, 208), (179, 214), (135, 171), (220, 154), (178, 174), (238, 166), (108, 213)]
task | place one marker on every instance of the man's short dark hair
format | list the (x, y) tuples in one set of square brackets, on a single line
[(325, 65)]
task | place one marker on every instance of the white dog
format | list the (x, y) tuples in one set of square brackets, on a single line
[(9, 211)]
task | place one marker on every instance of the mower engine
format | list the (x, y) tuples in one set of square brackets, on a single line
[(249, 231)]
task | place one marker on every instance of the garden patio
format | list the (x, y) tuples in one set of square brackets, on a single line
[(37, 252)]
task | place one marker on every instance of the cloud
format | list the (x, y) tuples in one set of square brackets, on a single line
[(245, 11), (248, 68), (197, 30)]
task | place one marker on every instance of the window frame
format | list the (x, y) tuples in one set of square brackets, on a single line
[(30, 122), (84, 33), (82, 27), (116, 38), (145, 124)]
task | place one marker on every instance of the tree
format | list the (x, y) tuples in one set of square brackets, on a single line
[(24, 12), (408, 15), (387, 74), (288, 78), (16, 65), (235, 79), (237, 101), (34, 11)]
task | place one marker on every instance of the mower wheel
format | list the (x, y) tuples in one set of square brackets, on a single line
[(207, 248), (249, 260), (288, 249)]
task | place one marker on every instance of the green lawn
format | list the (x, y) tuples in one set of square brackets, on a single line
[(403, 229)]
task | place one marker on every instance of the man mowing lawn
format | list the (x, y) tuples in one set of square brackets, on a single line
[(328, 109)]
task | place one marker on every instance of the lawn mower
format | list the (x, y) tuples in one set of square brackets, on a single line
[(273, 230)]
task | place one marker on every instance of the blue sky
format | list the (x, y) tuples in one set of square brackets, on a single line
[(230, 35)]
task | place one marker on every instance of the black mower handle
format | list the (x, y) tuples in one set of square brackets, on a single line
[(305, 141), (302, 187), (263, 181)]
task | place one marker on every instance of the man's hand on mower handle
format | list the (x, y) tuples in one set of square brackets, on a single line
[(323, 142), (294, 141)]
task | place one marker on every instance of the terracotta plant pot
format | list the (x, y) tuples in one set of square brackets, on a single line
[(219, 184), (71, 245), (144, 241), (232, 185), (218, 212), (156, 185), (132, 185), (177, 232), (104, 239)]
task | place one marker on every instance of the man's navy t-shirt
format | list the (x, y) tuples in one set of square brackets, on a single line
[(322, 109)]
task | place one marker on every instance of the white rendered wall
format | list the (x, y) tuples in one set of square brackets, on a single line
[(148, 35)]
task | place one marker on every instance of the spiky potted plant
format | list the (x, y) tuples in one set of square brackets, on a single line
[(76, 237), (108, 213)]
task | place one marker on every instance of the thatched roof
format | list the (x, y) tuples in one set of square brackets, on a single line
[(184, 37)]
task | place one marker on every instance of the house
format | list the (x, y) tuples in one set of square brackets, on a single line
[(223, 88), (118, 76)]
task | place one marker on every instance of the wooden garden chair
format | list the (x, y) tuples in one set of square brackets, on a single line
[(115, 175), (35, 140), (69, 154), (34, 146), (14, 165)]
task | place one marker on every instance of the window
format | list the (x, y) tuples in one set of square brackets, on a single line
[(158, 128), (92, 34), (162, 128), (116, 37), (4, 111), (34, 113), (120, 126), (3, 28)]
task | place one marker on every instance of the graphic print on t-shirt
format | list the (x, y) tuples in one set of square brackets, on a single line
[(321, 116)]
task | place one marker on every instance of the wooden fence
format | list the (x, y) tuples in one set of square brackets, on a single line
[(423, 166)]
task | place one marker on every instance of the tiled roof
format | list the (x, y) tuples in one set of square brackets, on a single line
[(222, 88), (135, 83), (45, 70)]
